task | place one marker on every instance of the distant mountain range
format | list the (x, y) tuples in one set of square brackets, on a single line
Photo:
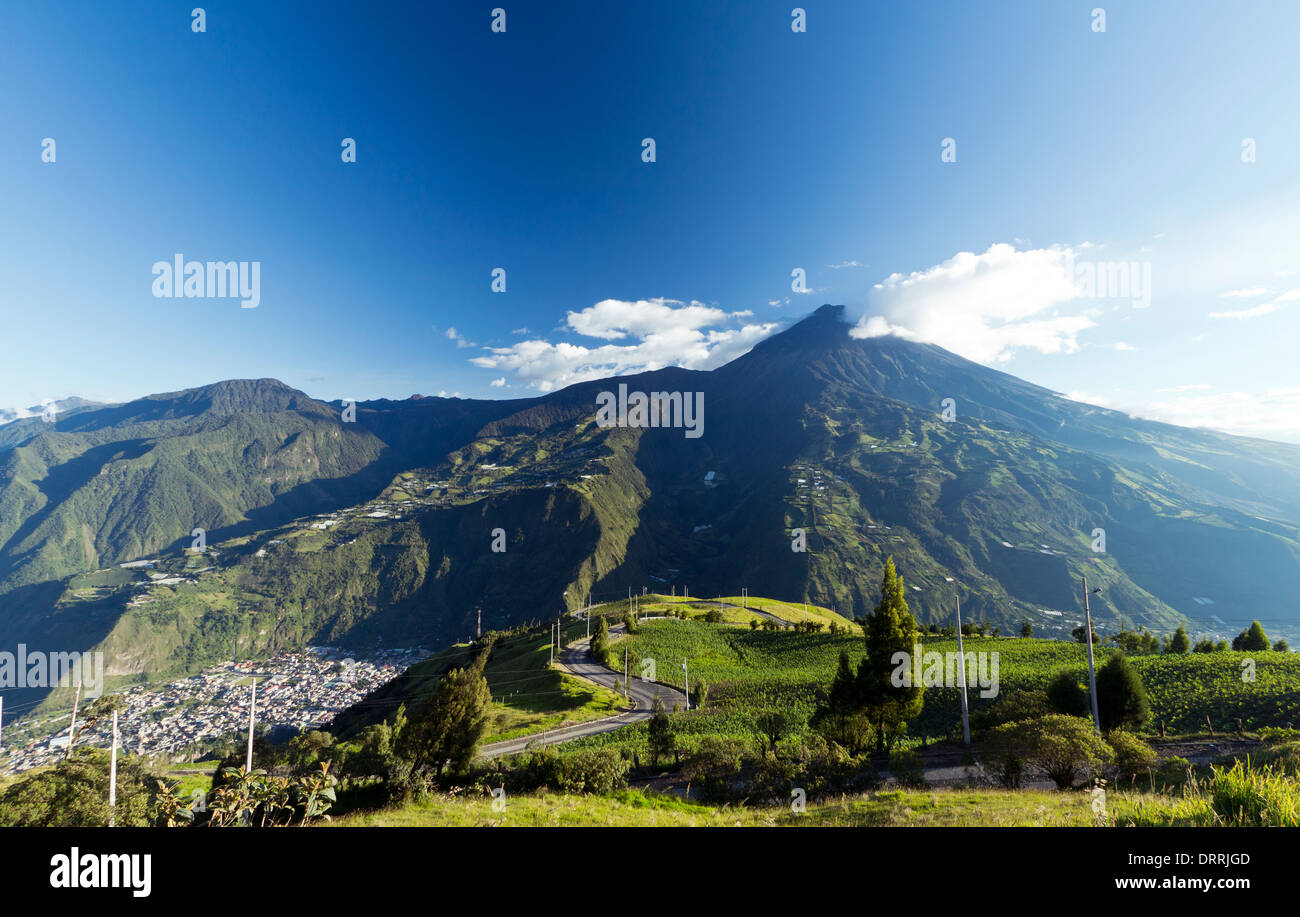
[(318, 530)]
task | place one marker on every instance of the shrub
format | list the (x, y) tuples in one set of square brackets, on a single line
[(1005, 753), (1013, 706), (1252, 639), (1067, 695), (1063, 747), (600, 770), (773, 778), (715, 764), (907, 767), (1132, 756), (1121, 698)]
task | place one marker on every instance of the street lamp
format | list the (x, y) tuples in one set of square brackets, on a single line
[(1092, 673)]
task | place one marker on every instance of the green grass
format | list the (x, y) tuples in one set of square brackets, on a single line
[(528, 695), (630, 808)]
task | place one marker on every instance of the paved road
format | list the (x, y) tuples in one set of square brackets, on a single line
[(576, 658)]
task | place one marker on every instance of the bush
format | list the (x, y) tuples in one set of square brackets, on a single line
[(74, 793), (1121, 698), (774, 779), (1005, 753), (601, 770), (1067, 695), (715, 765), (1013, 706), (907, 768), (1132, 756), (1252, 639), (1063, 747), (829, 768)]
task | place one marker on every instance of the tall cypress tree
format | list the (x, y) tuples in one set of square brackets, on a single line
[(889, 630)]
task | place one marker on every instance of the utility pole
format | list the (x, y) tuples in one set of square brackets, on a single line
[(961, 656), (589, 616), (112, 777), (252, 709), (72, 727), (627, 673), (686, 679), (478, 632), (1092, 674)]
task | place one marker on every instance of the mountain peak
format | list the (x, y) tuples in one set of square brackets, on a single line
[(239, 396), (828, 311)]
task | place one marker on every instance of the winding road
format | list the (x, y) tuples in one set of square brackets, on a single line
[(577, 660)]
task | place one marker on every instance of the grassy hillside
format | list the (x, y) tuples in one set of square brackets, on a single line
[(528, 694)]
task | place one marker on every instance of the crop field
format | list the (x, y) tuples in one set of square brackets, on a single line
[(750, 672)]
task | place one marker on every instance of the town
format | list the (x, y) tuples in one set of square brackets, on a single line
[(174, 722)]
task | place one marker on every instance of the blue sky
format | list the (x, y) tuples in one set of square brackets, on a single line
[(775, 151)]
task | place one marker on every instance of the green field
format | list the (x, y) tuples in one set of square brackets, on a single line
[(936, 808), (752, 671)]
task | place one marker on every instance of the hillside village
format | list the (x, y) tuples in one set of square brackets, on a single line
[(174, 721)]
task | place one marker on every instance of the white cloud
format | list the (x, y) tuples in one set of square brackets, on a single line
[(1255, 312), (1190, 387), (615, 319), (1123, 345), (983, 306), (658, 333), (1100, 401), (1288, 296), (1275, 414), (843, 264), (461, 341), (521, 331), (446, 394), (498, 383), (1247, 292)]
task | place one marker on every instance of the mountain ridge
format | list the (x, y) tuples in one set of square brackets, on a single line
[(813, 429)]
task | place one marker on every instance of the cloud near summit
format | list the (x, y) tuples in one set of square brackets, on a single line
[(643, 335), (983, 306)]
